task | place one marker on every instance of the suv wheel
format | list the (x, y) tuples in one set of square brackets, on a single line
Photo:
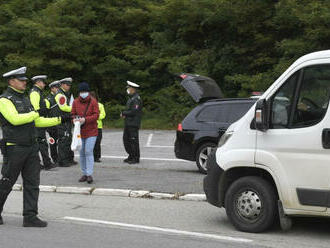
[(202, 155), (250, 204)]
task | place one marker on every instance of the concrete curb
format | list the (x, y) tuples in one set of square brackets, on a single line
[(193, 197), (111, 192), (139, 194), (117, 192), (74, 190)]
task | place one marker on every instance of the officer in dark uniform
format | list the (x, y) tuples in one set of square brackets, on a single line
[(39, 103), (53, 112), (64, 131), (19, 119), (132, 116)]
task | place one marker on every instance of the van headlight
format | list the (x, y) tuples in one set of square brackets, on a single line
[(225, 137)]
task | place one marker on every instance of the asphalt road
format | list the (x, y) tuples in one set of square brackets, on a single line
[(97, 221), (85, 221)]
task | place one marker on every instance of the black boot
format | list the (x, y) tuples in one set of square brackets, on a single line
[(33, 222), (1, 220), (127, 159), (134, 161), (50, 166)]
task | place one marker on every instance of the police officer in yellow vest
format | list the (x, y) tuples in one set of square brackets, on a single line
[(64, 131), (40, 103), (53, 112), (97, 147), (19, 119)]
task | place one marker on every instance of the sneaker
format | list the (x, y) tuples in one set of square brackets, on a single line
[(89, 179), (34, 222), (97, 160), (83, 179), (1, 220)]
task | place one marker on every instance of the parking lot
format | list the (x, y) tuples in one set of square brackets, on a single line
[(158, 170)]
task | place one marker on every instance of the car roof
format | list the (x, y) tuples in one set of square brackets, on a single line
[(232, 100)]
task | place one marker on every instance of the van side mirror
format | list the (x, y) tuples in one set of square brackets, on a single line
[(261, 116)]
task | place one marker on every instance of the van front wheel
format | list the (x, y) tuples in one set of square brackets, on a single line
[(250, 204)]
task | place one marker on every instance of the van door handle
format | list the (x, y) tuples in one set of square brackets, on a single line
[(326, 138)]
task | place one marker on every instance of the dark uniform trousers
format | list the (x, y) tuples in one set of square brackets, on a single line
[(65, 155), (131, 142), (43, 146), (97, 147), (52, 131), (24, 160)]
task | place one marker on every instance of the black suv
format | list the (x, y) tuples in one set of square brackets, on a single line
[(202, 128)]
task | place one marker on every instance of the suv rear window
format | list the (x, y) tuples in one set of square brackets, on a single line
[(224, 112), (208, 113), (235, 111)]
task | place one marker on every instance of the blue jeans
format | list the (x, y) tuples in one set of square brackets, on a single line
[(87, 156)]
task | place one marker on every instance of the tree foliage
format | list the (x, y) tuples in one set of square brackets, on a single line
[(243, 44)]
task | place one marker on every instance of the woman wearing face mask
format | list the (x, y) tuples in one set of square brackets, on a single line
[(85, 110)]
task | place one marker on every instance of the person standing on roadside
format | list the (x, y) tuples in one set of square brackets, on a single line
[(53, 112), (19, 119), (38, 102), (64, 131), (132, 116), (85, 110), (97, 147)]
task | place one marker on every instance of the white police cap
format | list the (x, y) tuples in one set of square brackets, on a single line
[(54, 84), (39, 78), (131, 84), (67, 80), (17, 73)]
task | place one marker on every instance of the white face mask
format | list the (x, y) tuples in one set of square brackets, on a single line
[(128, 92), (84, 94)]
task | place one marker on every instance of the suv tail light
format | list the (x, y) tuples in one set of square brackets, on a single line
[(180, 127)]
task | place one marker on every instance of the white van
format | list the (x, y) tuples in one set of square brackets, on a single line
[(275, 161)]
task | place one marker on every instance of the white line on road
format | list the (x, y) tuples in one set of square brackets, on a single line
[(152, 146), (159, 229), (149, 140), (156, 159)]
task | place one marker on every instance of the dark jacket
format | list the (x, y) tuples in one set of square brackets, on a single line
[(79, 106), (133, 112)]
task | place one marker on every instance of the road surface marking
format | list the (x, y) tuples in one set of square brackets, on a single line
[(156, 159), (159, 229), (149, 140), (152, 146)]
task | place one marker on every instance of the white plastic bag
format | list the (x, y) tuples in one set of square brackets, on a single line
[(76, 138)]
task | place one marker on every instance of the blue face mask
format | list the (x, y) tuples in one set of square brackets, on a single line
[(84, 94)]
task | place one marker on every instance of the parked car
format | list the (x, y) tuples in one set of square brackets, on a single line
[(274, 162), (202, 128)]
